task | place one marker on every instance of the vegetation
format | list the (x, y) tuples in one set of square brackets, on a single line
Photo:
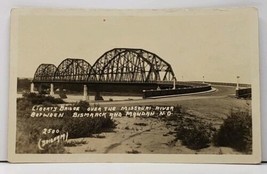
[(189, 128), (38, 99), (23, 84), (74, 143), (236, 132), (30, 129), (195, 136), (140, 124), (194, 133), (133, 151), (191, 132), (89, 150)]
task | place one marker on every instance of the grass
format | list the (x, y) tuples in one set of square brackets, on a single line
[(198, 124), (29, 129)]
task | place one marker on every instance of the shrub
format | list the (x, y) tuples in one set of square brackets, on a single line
[(23, 84), (29, 130), (193, 133), (177, 109), (83, 105), (85, 126), (194, 136), (236, 132), (37, 99), (23, 104), (62, 95), (176, 116)]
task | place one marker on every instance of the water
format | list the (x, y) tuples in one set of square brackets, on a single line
[(76, 98)]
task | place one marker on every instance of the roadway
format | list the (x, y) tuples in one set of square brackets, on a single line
[(219, 92)]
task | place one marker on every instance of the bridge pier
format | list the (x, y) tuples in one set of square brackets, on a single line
[(98, 96), (52, 89), (85, 93), (32, 87), (174, 83), (40, 88)]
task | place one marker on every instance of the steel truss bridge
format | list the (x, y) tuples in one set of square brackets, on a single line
[(120, 71), (119, 65)]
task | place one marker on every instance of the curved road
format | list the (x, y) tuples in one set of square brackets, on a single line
[(220, 92)]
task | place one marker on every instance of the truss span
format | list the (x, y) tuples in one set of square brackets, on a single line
[(45, 72), (162, 70), (72, 70), (128, 66), (116, 65)]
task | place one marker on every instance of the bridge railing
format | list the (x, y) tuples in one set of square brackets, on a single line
[(228, 84), (178, 91), (99, 81)]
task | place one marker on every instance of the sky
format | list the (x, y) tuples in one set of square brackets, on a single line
[(218, 45)]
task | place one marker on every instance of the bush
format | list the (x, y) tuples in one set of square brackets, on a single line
[(194, 135), (236, 132), (37, 99), (29, 129), (23, 84), (83, 105), (178, 109), (29, 132), (85, 127), (63, 95)]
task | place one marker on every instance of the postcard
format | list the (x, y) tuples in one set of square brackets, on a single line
[(174, 85)]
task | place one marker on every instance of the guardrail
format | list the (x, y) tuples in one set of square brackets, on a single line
[(243, 93), (226, 84), (184, 90)]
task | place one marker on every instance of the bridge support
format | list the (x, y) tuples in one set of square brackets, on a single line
[(98, 96), (32, 88), (174, 83), (85, 93), (52, 89), (40, 89)]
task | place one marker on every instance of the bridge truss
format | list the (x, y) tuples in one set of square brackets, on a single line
[(116, 65)]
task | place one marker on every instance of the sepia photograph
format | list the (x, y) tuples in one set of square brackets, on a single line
[(134, 86)]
